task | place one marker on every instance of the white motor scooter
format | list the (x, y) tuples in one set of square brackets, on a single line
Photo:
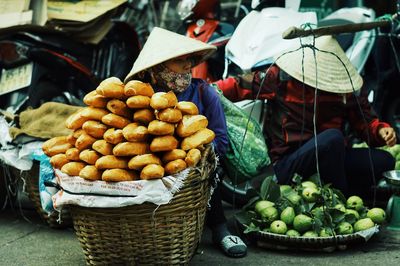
[(258, 38)]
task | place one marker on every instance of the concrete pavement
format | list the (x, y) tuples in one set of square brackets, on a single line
[(28, 241)]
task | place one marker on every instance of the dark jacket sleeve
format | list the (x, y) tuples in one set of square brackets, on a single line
[(366, 125), (214, 112)]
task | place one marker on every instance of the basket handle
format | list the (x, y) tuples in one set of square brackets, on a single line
[(208, 156)]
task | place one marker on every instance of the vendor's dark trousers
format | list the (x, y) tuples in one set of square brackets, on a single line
[(215, 215), (350, 170)]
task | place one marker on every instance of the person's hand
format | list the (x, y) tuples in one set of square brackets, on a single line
[(388, 135)]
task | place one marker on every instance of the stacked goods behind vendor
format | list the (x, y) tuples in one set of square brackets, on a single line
[(129, 132)]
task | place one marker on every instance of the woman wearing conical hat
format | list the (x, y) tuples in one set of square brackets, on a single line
[(312, 100), (165, 62)]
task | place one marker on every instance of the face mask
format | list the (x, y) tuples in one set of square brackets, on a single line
[(171, 80)]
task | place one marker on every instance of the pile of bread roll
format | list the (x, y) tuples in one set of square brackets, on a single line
[(128, 132)]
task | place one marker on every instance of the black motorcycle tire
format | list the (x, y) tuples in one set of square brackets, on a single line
[(232, 194)]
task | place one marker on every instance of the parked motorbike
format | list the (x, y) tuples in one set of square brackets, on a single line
[(40, 64), (253, 46), (202, 22)]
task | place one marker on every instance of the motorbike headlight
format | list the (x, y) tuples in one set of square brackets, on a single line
[(185, 8)]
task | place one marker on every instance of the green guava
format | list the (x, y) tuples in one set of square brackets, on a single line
[(326, 232), (354, 212), (363, 224), (302, 223), (262, 204), (269, 214), (287, 215), (292, 232), (355, 202), (344, 228), (308, 184), (310, 234), (377, 215), (278, 227), (294, 198), (310, 194)]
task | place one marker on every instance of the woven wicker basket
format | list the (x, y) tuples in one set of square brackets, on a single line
[(142, 234), (32, 187)]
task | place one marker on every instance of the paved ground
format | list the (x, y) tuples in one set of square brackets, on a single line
[(31, 242)]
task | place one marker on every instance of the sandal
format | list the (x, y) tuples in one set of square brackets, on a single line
[(233, 246)]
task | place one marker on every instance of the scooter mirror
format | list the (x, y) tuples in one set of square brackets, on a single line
[(12, 54)]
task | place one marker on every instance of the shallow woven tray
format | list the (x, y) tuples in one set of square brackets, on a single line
[(284, 242), (143, 234), (32, 187)]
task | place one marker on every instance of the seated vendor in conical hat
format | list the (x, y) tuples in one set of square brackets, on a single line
[(314, 104), (165, 62)]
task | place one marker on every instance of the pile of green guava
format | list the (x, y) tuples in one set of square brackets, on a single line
[(306, 209)]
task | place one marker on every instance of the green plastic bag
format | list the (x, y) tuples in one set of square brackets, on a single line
[(246, 157)]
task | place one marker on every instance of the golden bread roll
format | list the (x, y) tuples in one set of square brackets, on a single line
[(58, 160), (136, 87), (187, 108), (84, 141), (144, 116), (193, 157), (170, 115), (54, 141), (152, 171), (135, 132), (162, 100), (94, 99), (159, 102), (175, 166), (72, 168), (138, 102), (111, 162), (114, 120), (191, 124), (171, 97), (159, 128), (102, 147), (119, 175), (140, 161), (72, 154), (91, 113), (61, 142), (173, 155), (89, 156), (90, 172), (163, 143), (71, 139), (57, 149), (201, 137), (119, 107), (76, 120), (95, 129), (113, 136), (78, 132), (131, 148), (111, 87)]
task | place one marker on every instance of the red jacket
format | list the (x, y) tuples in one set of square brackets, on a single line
[(290, 111)]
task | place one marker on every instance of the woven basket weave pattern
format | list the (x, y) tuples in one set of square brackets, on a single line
[(144, 234), (32, 186)]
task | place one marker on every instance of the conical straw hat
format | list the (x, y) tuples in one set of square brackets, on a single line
[(163, 45), (335, 73)]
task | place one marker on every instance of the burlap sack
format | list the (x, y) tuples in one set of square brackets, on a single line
[(45, 122)]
